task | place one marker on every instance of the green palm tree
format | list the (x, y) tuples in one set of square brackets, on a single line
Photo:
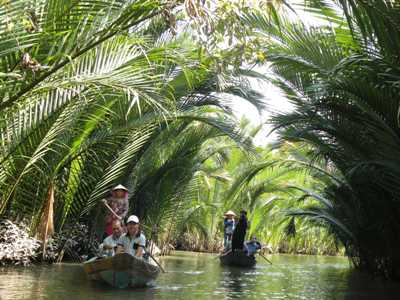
[(341, 81), (87, 88)]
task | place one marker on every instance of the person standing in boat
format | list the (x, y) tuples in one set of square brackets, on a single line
[(134, 241), (110, 243), (229, 227), (119, 204), (239, 233)]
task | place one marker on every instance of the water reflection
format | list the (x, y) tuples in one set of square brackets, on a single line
[(233, 281), (199, 276)]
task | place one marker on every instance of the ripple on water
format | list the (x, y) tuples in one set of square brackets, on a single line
[(193, 272), (275, 274), (253, 273), (170, 287)]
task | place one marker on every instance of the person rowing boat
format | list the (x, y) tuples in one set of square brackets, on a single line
[(128, 267), (239, 233), (237, 256), (119, 204)]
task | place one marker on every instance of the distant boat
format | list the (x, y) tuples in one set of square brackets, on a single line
[(122, 270), (238, 259)]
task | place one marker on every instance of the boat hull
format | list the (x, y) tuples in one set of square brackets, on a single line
[(121, 271), (238, 259)]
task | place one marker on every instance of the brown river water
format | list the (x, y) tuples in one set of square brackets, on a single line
[(194, 276)]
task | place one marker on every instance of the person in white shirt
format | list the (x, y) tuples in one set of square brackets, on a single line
[(110, 243), (134, 241)]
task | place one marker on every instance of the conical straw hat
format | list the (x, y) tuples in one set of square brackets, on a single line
[(120, 187), (230, 213)]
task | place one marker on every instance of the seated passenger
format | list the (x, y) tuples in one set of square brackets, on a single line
[(110, 243), (133, 242), (252, 246)]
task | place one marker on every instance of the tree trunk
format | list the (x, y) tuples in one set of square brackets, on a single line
[(46, 226)]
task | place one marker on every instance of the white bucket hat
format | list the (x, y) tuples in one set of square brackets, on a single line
[(133, 219)]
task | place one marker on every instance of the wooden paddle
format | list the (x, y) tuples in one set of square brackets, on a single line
[(114, 213), (158, 264), (110, 209), (265, 258), (223, 253)]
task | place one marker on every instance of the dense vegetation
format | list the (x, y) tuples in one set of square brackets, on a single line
[(343, 80), (95, 93), (100, 92)]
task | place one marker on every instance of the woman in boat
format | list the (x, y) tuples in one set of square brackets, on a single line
[(134, 241), (119, 204), (229, 226), (239, 233)]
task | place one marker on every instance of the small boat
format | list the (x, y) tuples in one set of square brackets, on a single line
[(122, 270), (237, 258)]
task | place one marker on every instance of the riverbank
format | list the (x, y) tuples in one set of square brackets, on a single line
[(17, 247), (283, 247), (269, 250)]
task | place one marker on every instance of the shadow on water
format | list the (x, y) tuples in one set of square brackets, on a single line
[(363, 286)]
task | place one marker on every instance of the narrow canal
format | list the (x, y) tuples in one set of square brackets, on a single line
[(199, 276)]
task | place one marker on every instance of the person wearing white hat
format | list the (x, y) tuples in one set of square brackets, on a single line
[(134, 241), (119, 204), (229, 227)]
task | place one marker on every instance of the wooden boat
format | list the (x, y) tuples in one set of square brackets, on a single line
[(238, 259), (121, 271)]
